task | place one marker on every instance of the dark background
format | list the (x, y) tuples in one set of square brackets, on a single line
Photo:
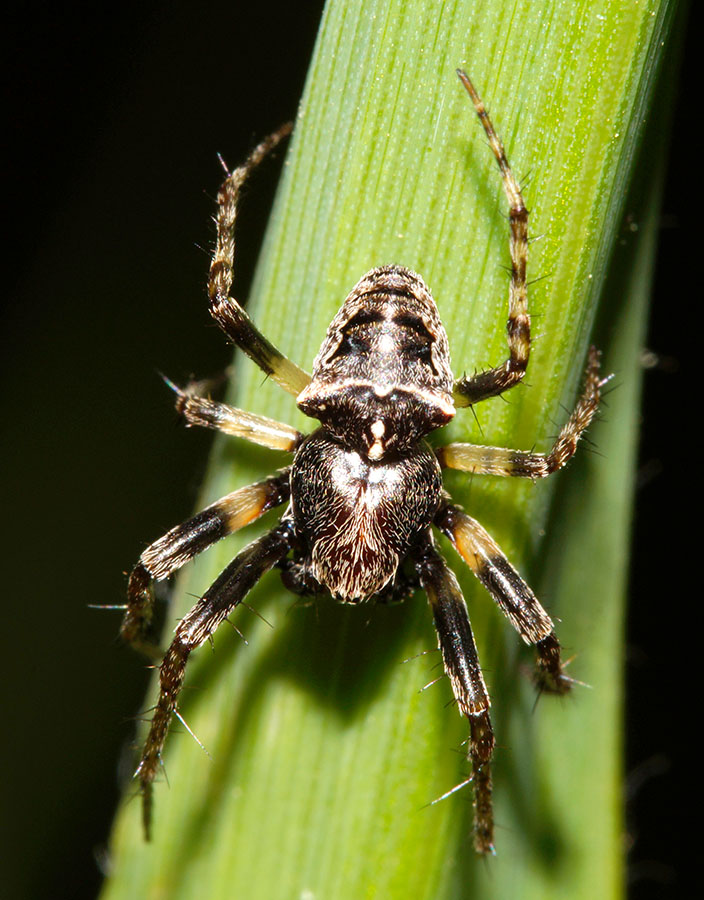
[(114, 116)]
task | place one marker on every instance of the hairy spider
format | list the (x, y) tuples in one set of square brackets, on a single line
[(364, 489)]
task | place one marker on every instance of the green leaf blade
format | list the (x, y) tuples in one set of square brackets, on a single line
[(324, 752)]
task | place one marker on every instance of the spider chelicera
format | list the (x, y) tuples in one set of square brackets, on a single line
[(364, 489)]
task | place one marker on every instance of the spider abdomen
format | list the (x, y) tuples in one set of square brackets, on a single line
[(359, 518), (382, 379)]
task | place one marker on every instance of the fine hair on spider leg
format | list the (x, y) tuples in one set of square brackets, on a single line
[(362, 492)]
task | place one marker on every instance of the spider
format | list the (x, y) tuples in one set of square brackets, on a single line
[(364, 489)]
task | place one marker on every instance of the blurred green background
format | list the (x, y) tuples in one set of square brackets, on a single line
[(116, 117)]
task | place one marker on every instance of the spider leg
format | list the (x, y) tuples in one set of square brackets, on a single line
[(499, 379), (510, 592), (226, 311), (187, 540), (207, 413), (519, 463), (459, 655), (200, 623)]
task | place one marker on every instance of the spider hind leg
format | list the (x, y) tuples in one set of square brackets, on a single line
[(468, 391), (226, 311)]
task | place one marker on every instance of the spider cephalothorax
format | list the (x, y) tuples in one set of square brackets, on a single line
[(364, 490), (358, 518)]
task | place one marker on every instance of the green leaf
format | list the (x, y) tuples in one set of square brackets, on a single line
[(324, 753)]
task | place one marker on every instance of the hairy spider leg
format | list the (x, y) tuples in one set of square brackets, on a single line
[(495, 381), (483, 460), (226, 593), (509, 591), (461, 662), (186, 541), (207, 413), (226, 311)]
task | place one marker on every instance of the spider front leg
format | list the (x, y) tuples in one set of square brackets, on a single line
[(226, 311), (227, 592), (186, 541), (461, 662), (495, 381), (510, 592)]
